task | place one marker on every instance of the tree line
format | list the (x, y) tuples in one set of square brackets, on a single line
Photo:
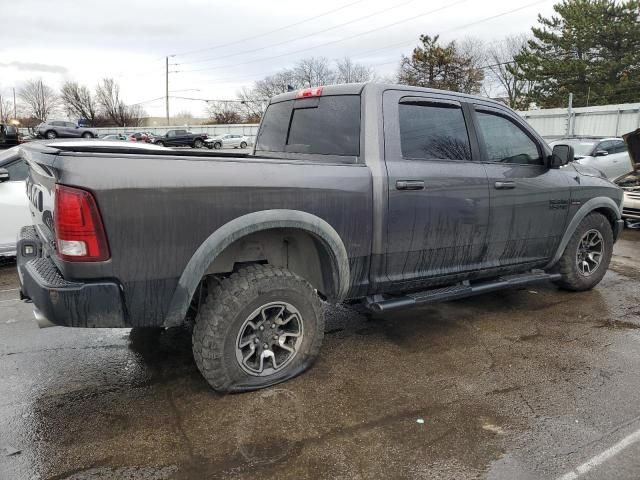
[(101, 107)]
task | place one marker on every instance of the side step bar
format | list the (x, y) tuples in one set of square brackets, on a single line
[(381, 303)]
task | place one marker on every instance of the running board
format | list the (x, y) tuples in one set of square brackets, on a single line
[(381, 303)]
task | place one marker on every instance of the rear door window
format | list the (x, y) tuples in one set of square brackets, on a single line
[(431, 131), (321, 125)]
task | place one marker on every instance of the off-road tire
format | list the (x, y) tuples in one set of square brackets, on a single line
[(228, 305), (567, 266)]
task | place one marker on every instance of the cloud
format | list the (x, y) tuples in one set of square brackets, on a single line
[(35, 67)]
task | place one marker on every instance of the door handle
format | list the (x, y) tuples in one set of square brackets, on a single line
[(410, 185), (505, 185)]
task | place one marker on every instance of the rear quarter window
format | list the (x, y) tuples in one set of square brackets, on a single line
[(324, 125)]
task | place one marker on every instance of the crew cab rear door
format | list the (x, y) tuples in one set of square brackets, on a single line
[(438, 192), (529, 200)]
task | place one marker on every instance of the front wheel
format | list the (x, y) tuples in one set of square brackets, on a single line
[(587, 255), (217, 145), (243, 145), (87, 135), (259, 327), (159, 143), (198, 143), (51, 134)]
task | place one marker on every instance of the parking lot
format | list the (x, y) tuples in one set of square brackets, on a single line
[(528, 383)]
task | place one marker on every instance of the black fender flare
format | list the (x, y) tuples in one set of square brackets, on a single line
[(248, 224), (586, 208)]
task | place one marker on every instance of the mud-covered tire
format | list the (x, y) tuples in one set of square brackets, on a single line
[(224, 314), (567, 266)]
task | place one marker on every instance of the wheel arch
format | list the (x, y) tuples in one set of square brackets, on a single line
[(603, 205), (214, 254)]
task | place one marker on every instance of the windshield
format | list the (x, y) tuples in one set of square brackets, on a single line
[(581, 147), (322, 125)]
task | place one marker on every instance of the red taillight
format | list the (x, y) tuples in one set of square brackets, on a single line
[(80, 235), (309, 92)]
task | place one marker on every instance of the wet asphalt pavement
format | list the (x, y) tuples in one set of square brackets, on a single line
[(522, 384)]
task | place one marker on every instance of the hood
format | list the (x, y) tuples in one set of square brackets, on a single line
[(587, 170), (632, 139)]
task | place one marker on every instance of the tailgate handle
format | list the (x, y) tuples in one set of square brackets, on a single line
[(505, 185), (410, 185)]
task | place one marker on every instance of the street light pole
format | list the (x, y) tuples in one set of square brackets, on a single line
[(15, 115), (167, 87)]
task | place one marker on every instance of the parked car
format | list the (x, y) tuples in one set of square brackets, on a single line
[(609, 155), (227, 141), (139, 137), (63, 129), (114, 136), (14, 204), (631, 183), (9, 135), (181, 138), (389, 195)]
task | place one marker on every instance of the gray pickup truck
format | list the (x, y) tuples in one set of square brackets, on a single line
[(388, 195)]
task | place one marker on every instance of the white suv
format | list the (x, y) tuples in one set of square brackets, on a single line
[(227, 141)]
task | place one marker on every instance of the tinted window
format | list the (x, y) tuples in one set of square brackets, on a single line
[(619, 146), (433, 131), (506, 142), (17, 170), (322, 125), (11, 130)]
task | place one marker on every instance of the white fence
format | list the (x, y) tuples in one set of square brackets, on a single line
[(600, 121)]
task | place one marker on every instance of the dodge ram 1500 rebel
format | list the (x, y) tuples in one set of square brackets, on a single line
[(389, 195)]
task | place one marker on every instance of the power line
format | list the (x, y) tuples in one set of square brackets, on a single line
[(333, 27), (260, 35), (367, 52), (444, 7)]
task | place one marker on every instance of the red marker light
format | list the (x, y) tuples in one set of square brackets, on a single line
[(309, 92)]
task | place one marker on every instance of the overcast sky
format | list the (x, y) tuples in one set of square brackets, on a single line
[(221, 45)]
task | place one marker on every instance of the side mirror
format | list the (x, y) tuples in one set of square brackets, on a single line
[(601, 153), (561, 155), (4, 175)]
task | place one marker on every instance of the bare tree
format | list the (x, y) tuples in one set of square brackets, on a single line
[(112, 106), (40, 99), (79, 102), (313, 71), (505, 73), (223, 112), (252, 104), (348, 71), (6, 110)]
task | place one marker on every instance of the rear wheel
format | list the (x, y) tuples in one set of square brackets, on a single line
[(259, 327), (217, 145), (243, 145), (160, 143), (198, 143), (587, 255), (87, 135), (51, 134)]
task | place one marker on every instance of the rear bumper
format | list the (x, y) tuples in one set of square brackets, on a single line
[(63, 302)]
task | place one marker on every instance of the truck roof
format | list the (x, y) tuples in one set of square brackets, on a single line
[(375, 87)]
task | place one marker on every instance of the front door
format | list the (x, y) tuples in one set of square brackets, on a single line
[(438, 192), (529, 201)]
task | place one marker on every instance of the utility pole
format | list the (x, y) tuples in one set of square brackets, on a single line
[(570, 116), (167, 87), (15, 114)]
